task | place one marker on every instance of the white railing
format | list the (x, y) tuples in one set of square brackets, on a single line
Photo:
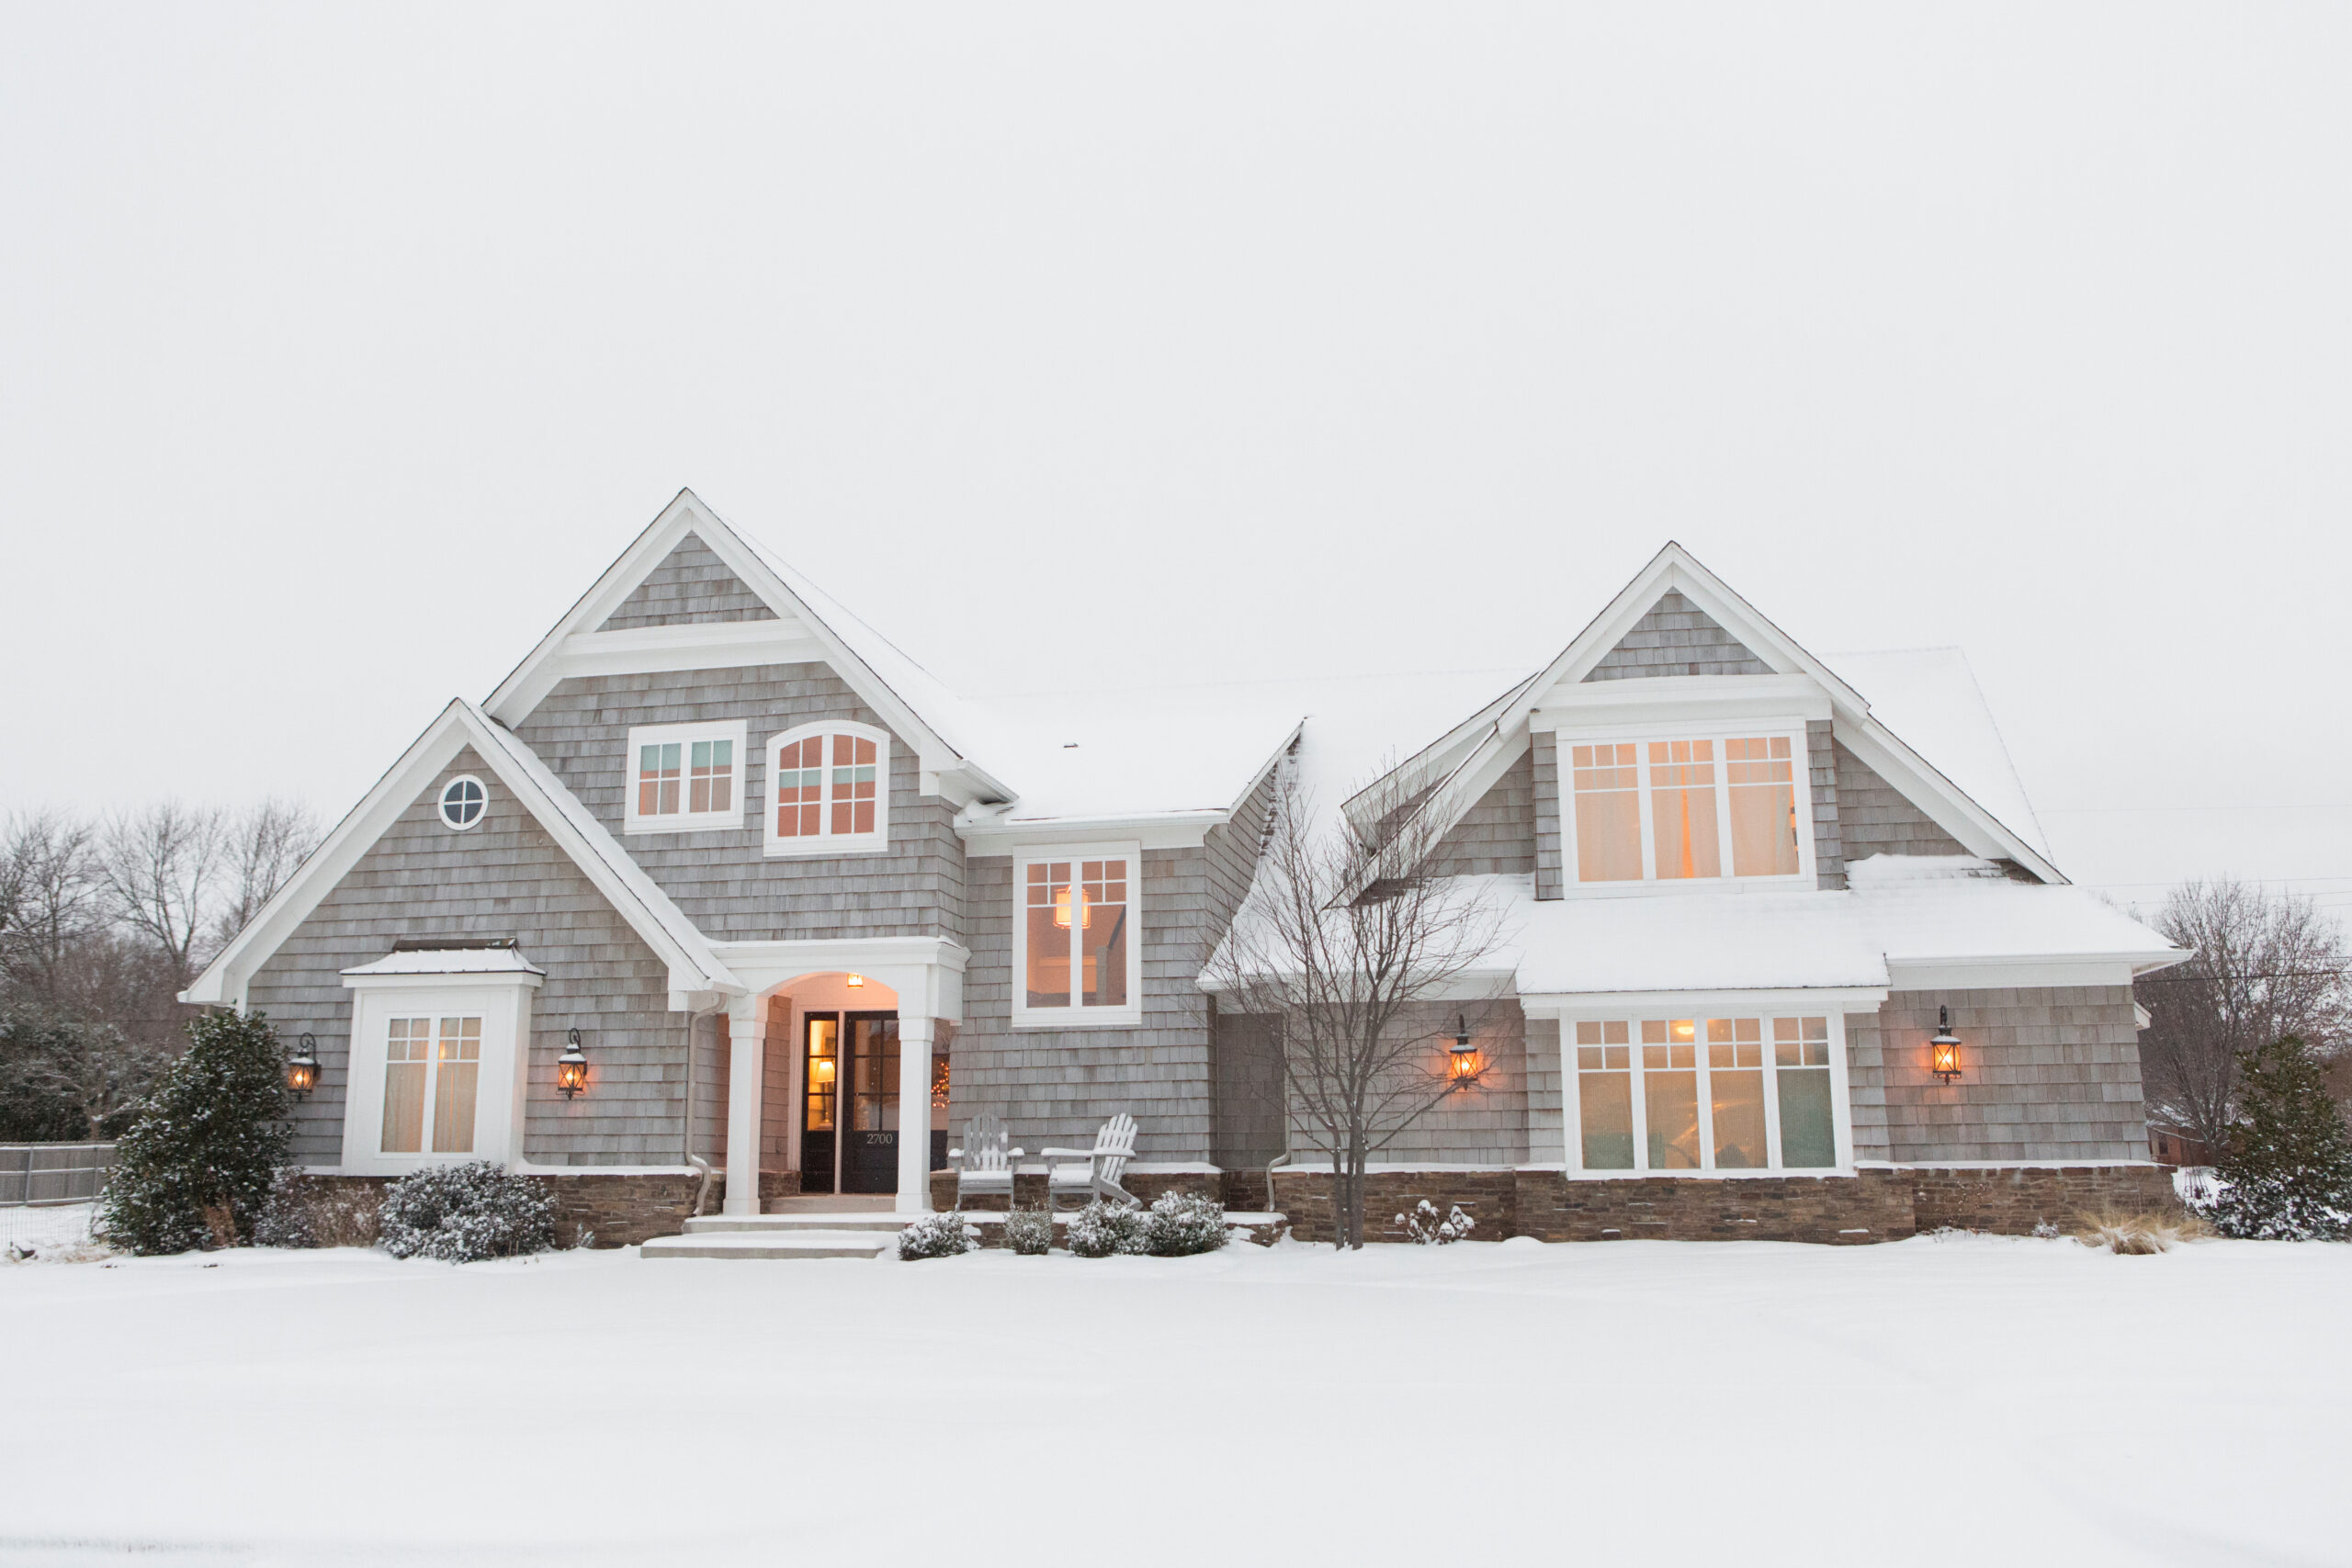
[(36, 1174)]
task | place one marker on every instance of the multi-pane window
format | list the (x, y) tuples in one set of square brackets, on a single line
[(1076, 936), (1691, 1094), (1666, 810), (685, 776), (831, 784), (435, 1061)]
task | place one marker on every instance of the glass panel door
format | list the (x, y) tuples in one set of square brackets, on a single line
[(818, 1103), (870, 1158)]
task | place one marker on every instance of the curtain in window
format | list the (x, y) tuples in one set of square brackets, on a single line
[(1682, 808), (455, 1081), (1608, 813), (1761, 775), (409, 1040)]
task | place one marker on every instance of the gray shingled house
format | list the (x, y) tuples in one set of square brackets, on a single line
[(773, 879)]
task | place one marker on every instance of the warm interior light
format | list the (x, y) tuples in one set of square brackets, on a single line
[(856, 982), (1061, 909), (1943, 1048), (823, 1067), (1686, 1028)]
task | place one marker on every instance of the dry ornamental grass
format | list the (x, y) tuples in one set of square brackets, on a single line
[(2139, 1235)]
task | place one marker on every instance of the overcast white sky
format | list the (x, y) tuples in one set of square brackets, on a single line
[(341, 348)]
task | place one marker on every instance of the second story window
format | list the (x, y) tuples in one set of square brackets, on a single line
[(1074, 936), (831, 790), (684, 776), (1701, 808)]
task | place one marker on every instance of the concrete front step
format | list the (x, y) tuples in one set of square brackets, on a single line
[(856, 1220), (801, 1244)]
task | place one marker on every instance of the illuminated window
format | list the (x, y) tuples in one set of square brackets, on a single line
[(440, 1067), (1706, 1094), (831, 790), (1074, 929), (1666, 810), (684, 776)]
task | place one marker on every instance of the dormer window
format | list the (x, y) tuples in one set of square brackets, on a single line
[(684, 776), (831, 790), (1687, 809)]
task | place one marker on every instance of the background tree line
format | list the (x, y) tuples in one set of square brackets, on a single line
[(103, 922)]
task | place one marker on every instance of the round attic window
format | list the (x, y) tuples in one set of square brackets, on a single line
[(462, 802)]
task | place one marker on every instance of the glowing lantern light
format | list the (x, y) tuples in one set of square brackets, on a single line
[(1465, 1055), (1944, 1048), (857, 982), (1061, 909), (571, 1067), (302, 1068)]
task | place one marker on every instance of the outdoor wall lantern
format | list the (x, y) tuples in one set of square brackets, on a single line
[(1465, 1055), (302, 1068), (571, 1067), (1944, 1048)]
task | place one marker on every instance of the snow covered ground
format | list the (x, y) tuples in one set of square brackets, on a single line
[(1963, 1401)]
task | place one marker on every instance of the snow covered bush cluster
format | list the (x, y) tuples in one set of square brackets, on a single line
[(2287, 1175), (194, 1169), (1183, 1224), (1029, 1232), (462, 1214), (936, 1236), (1100, 1231), (302, 1210), (1430, 1230)]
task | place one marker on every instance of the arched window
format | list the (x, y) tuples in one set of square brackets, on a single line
[(828, 790)]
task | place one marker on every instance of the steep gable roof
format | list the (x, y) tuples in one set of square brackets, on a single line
[(623, 884), (803, 623), (1462, 763)]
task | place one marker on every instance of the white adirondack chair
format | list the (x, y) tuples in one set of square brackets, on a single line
[(985, 1162), (1098, 1177)]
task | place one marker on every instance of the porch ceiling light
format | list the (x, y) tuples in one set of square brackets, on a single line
[(302, 1068), (571, 1067), (1943, 1048), (1062, 908), (856, 982)]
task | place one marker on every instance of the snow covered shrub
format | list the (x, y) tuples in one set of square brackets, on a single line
[(2138, 1235), (1029, 1232), (2287, 1175), (463, 1213), (936, 1236), (2044, 1231), (1099, 1232), (302, 1210), (1430, 1230), (1181, 1224), (195, 1168)]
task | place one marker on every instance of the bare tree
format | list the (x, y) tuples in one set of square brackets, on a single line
[(50, 899), (89, 1067), (262, 847), (1350, 956), (2266, 966), (161, 866)]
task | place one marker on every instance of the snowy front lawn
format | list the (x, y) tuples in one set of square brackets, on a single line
[(1963, 1401)]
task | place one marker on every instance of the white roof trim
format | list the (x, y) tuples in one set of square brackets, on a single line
[(575, 638), (448, 961), (624, 885)]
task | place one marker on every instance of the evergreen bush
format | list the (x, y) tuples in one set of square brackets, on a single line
[(1099, 1232), (2287, 1174), (1029, 1232), (195, 1168), (463, 1213), (936, 1236), (1183, 1224), (1426, 1228)]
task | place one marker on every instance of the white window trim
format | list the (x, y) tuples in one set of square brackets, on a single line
[(1841, 1117), (441, 803), (1719, 731), (685, 735), (503, 1002), (825, 841), (1078, 1015)]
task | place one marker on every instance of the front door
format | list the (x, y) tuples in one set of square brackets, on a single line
[(849, 1115)]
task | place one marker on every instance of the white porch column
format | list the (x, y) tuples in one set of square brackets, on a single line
[(914, 1111), (746, 1090)]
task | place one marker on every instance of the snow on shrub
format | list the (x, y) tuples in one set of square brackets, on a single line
[(302, 1210), (196, 1167), (1430, 1230), (936, 1236), (463, 1213), (2287, 1174), (1181, 1224), (1099, 1232), (1029, 1232)]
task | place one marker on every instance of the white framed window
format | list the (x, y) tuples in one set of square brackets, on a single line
[(463, 802), (1074, 937), (1706, 1096), (1726, 809), (435, 1070), (829, 789), (684, 776)]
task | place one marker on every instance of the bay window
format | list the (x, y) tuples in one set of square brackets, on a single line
[(439, 1048), (830, 786), (1696, 809), (684, 776), (1668, 1095), (1074, 936)]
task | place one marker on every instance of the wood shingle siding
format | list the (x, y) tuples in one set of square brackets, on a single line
[(1821, 776), (1497, 836), (719, 876), (691, 585), (1875, 818), (504, 879), (1677, 638)]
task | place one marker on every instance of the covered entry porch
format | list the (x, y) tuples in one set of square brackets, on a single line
[(831, 1057)]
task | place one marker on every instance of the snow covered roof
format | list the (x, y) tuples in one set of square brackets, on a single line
[(1931, 698), (501, 959)]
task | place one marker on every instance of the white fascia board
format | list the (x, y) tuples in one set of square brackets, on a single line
[(2023, 970), (1446, 753), (1786, 1000), (1683, 699), (827, 954), (710, 645), (1156, 830), (449, 980)]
